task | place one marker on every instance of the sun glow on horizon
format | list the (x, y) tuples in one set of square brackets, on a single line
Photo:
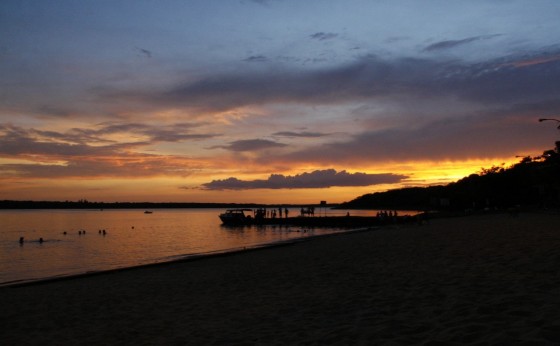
[(188, 188)]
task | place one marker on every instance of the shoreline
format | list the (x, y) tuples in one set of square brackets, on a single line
[(176, 259), (482, 279)]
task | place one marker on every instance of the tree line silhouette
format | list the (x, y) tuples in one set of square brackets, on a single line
[(533, 182)]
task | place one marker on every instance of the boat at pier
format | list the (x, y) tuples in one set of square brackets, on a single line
[(236, 217)]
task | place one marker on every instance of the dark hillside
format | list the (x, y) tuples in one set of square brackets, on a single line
[(534, 181)]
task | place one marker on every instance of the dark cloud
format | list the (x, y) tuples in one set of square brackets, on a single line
[(394, 39), (163, 133), (303, 134), (475, 109), (262, 2), (58, 112), (316, 179), (251, 145), (506, 84), (368, 78), (87, 166), (82, 140), (321, 36), (144, 52), (462, 138), (73, 155), (18, 141), (448, 44), (77, 142), (256, 58)]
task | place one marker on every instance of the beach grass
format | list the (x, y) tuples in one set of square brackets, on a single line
[(482, 279)]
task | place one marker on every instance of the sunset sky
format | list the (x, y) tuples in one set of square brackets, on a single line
[(270, 101)]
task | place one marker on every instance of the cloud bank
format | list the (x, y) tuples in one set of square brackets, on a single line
[(322, 36), (90, 152), (448, 44), (500, 81), (250, 145), (314, 180)]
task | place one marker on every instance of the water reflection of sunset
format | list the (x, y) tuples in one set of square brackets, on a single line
[(74, 241)]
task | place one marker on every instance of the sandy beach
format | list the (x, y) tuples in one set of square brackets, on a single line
[(484, 280)]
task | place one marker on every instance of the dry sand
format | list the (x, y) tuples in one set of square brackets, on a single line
[(486, 280)]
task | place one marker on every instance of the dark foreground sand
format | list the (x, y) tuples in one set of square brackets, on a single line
[(486, 280)]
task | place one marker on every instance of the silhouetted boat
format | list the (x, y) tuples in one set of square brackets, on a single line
[(236, 217), (147, 212)]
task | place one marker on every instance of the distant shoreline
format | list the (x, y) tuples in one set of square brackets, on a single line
[(10, 204)]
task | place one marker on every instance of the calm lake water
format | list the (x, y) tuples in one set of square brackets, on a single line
[(132, 238)]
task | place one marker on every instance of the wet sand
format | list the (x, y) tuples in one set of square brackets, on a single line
[(485, 280)]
